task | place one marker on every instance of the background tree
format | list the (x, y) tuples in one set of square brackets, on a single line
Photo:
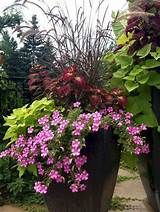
[(13, 81), (36, 50)]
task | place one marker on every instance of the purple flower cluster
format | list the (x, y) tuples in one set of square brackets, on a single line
[(76, 147), (76, 104), (54, 144), (121, 120), (97, 116), (40, 187)]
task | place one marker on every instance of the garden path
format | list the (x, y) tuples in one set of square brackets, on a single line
[(129, 193)]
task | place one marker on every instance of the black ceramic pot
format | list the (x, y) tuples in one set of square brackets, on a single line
[(103, 162), (149, 165)]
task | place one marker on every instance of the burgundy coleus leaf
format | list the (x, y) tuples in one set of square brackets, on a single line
[(108, 99), (69, 73), (133, 24), (116, 92), (80, 81), (95, 100), (44, 74), (33, 75), (32, 88), (122, 101), (63, 91), (93, 89), (33, 81)]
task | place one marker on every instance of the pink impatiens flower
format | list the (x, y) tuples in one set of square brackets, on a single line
[(76, 104), (75, 147), (40, 187)]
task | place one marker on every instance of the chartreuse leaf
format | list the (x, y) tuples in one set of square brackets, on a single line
[(21, 170), (109, 57), (144, 51), (22, 118), (156, 54), (151, 63), (123, 39), (136, 70), (124, 60), (120, 73), (142, 77), (117, 26), (131, 85), (129, 77), (10, 132)]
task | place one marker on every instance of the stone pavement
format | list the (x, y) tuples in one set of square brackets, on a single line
[(131, 190), (8, 208)]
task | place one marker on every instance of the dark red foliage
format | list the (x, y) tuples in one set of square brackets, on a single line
[(79, 81), (145, 27), (36, 78), (63, 91), (95, 100), (122, 101), (71, 86)]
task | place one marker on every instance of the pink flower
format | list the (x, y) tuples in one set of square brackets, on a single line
[(82, 187), (59, 165), (76, 148), (40, 169), (80, 161), (137, 140), (62, 126), (43, 120), (74, 187), (66, 164), (76, 104), (54, 175), (133, 130), (56, 118), (30, 130), (128, 115), (81, 176), (143, 127), (96, 121), (49, 161), (78, 127), (116, 116), (5, 153), (110, 109), (145, 149), (137, 150), (40, 187)]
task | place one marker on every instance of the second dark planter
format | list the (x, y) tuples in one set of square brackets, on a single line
[(149, 165), (103, 162)]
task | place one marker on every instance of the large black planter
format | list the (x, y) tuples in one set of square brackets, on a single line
[(103, 162), (149, 165)]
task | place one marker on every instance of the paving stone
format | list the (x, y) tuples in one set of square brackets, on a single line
[(8, 208), (132, 189)]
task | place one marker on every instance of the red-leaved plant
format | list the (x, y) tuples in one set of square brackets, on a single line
[(71, 85)]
